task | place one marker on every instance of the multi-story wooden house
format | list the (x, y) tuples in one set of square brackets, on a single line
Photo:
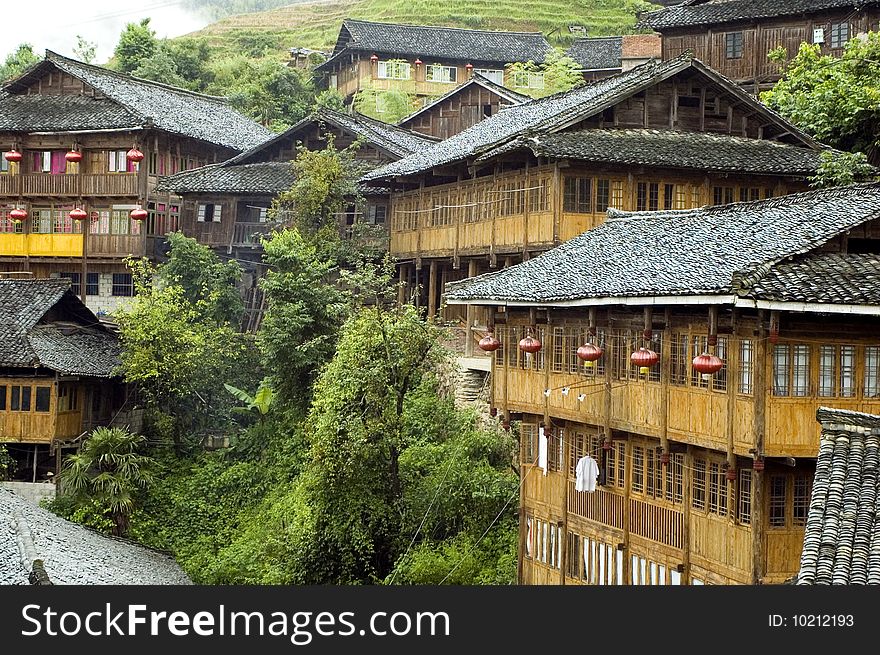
[(670, 135), (58, 373), (427, 61), (735, 36), (687, 352), (83, 147), (226, 205), (460, 108)]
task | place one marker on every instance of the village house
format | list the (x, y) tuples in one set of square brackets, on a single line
[(83, 150), (58, 374), (226, 206), (661, 136), (427, 61), (686, 353), (735, 36), (602, 56)]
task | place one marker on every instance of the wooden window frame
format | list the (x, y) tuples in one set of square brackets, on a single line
[(744, 497), (734, 44)]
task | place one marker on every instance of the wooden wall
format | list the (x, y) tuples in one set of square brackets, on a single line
[(457, 113)]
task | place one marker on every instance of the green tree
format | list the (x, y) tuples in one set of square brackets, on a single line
[(109, 469), (842, 168), (18, 61), (159, 67), (85, 50), (388, 105), (137, 42), (261, 402), (7, 463), (558, 73), (835, 100)]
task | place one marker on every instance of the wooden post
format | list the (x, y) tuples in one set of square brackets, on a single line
[(762, 362), (402, 278), (432, 289), (36, 447), (557, 202), (686, 516), (83, 276), (566, 451), (469, 315), (732, 358), (665, 373), (627, 488), (526, 199)]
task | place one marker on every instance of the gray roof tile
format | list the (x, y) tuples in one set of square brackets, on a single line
[(673, 149), (842, 535), (557, 111), (512, 97), (597, 53), (142, 102), (60, 113), (668, 253), (267, 178), (443, 43), (726, 11)]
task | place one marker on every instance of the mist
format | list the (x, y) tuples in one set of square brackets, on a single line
[(55, 24)]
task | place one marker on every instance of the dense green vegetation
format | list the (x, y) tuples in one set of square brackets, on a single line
[(348, 461)]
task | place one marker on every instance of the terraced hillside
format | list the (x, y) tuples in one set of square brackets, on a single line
[(316, 24)]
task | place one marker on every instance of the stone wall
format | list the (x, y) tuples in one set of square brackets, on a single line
[(33, 492)]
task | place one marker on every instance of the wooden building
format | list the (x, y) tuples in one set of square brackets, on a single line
[(462, 107), (735, 36), (58, 373), (66, 129), (427, 61), (670, 135), (602, 56), (226, 205), (720, 331)]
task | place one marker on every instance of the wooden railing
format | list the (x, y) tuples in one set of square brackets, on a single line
[(248, 234), (602, 506), (44, 184), (656, 523)]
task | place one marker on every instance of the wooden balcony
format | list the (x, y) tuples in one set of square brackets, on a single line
[(44, 184), (249, 234)]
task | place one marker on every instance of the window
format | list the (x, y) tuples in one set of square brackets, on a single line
[(68, 400), (530, 536), (4, 165), (529, 443), (3, 397), (674, 483), (41, 221), (444, 74), (75, 279), (791, 370), (43, 161), (679, 365), (872, 371), (603, 195), (722, 195), (528, 80), (122, 285), (21, 399), (117, 161), (572, 566), (122, 224), (744, 497), (647, 196), (577, 195), (777, 500), (746, 366), (717, 490), (733, 45), (839, 34), (376, 214), (41, 403), (209, 213), (698, 493), (539, 196), (7, 225), (668, 196), (638, 469), (803, 487), (393, 70), (492, 74), (555, 450)]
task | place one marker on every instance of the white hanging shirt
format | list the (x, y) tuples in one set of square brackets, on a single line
[(542, 449), (587, 471)]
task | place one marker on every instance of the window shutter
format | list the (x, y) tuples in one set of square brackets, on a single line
[(201, 215)]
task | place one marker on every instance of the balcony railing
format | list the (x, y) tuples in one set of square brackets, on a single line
[(45, 184), (249, 234)]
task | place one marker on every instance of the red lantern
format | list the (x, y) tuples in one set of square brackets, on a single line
[(644, 358), (374, 58), (469, 66), (707, 364), (418, 62), (138, 214), (606, 445), (589, 353), (664, 458), (731, 474), (73, 156), (12, 156), (18, 215), (489, 343), (134, 155), (529, 345), (78, 214), (758, 465)]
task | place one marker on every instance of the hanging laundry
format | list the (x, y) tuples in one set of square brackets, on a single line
[(542, 449), (587, 471)]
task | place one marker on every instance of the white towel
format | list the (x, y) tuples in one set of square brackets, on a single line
[(587, 472)]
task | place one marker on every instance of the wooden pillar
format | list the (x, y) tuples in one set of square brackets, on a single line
[(762, 362), (83, 276), (566, 451), (402, 276), (627, 488), (469, 315), (432, 289), (732, 365), (36, 447), (665, 372), (526, 199), (686, 516), (557, 202)]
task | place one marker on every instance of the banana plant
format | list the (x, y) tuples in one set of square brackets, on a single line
[(260, 402)]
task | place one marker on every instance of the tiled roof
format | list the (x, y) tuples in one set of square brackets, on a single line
[(73, 554), (37, 113), (842, 535), (267, 178), (77, 347), (726, 11), (396, 141), (512, 97), (850, 279), (560, 110), (443, 43), (670, 148), (147, 103), (597, 53), (677, 253)]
